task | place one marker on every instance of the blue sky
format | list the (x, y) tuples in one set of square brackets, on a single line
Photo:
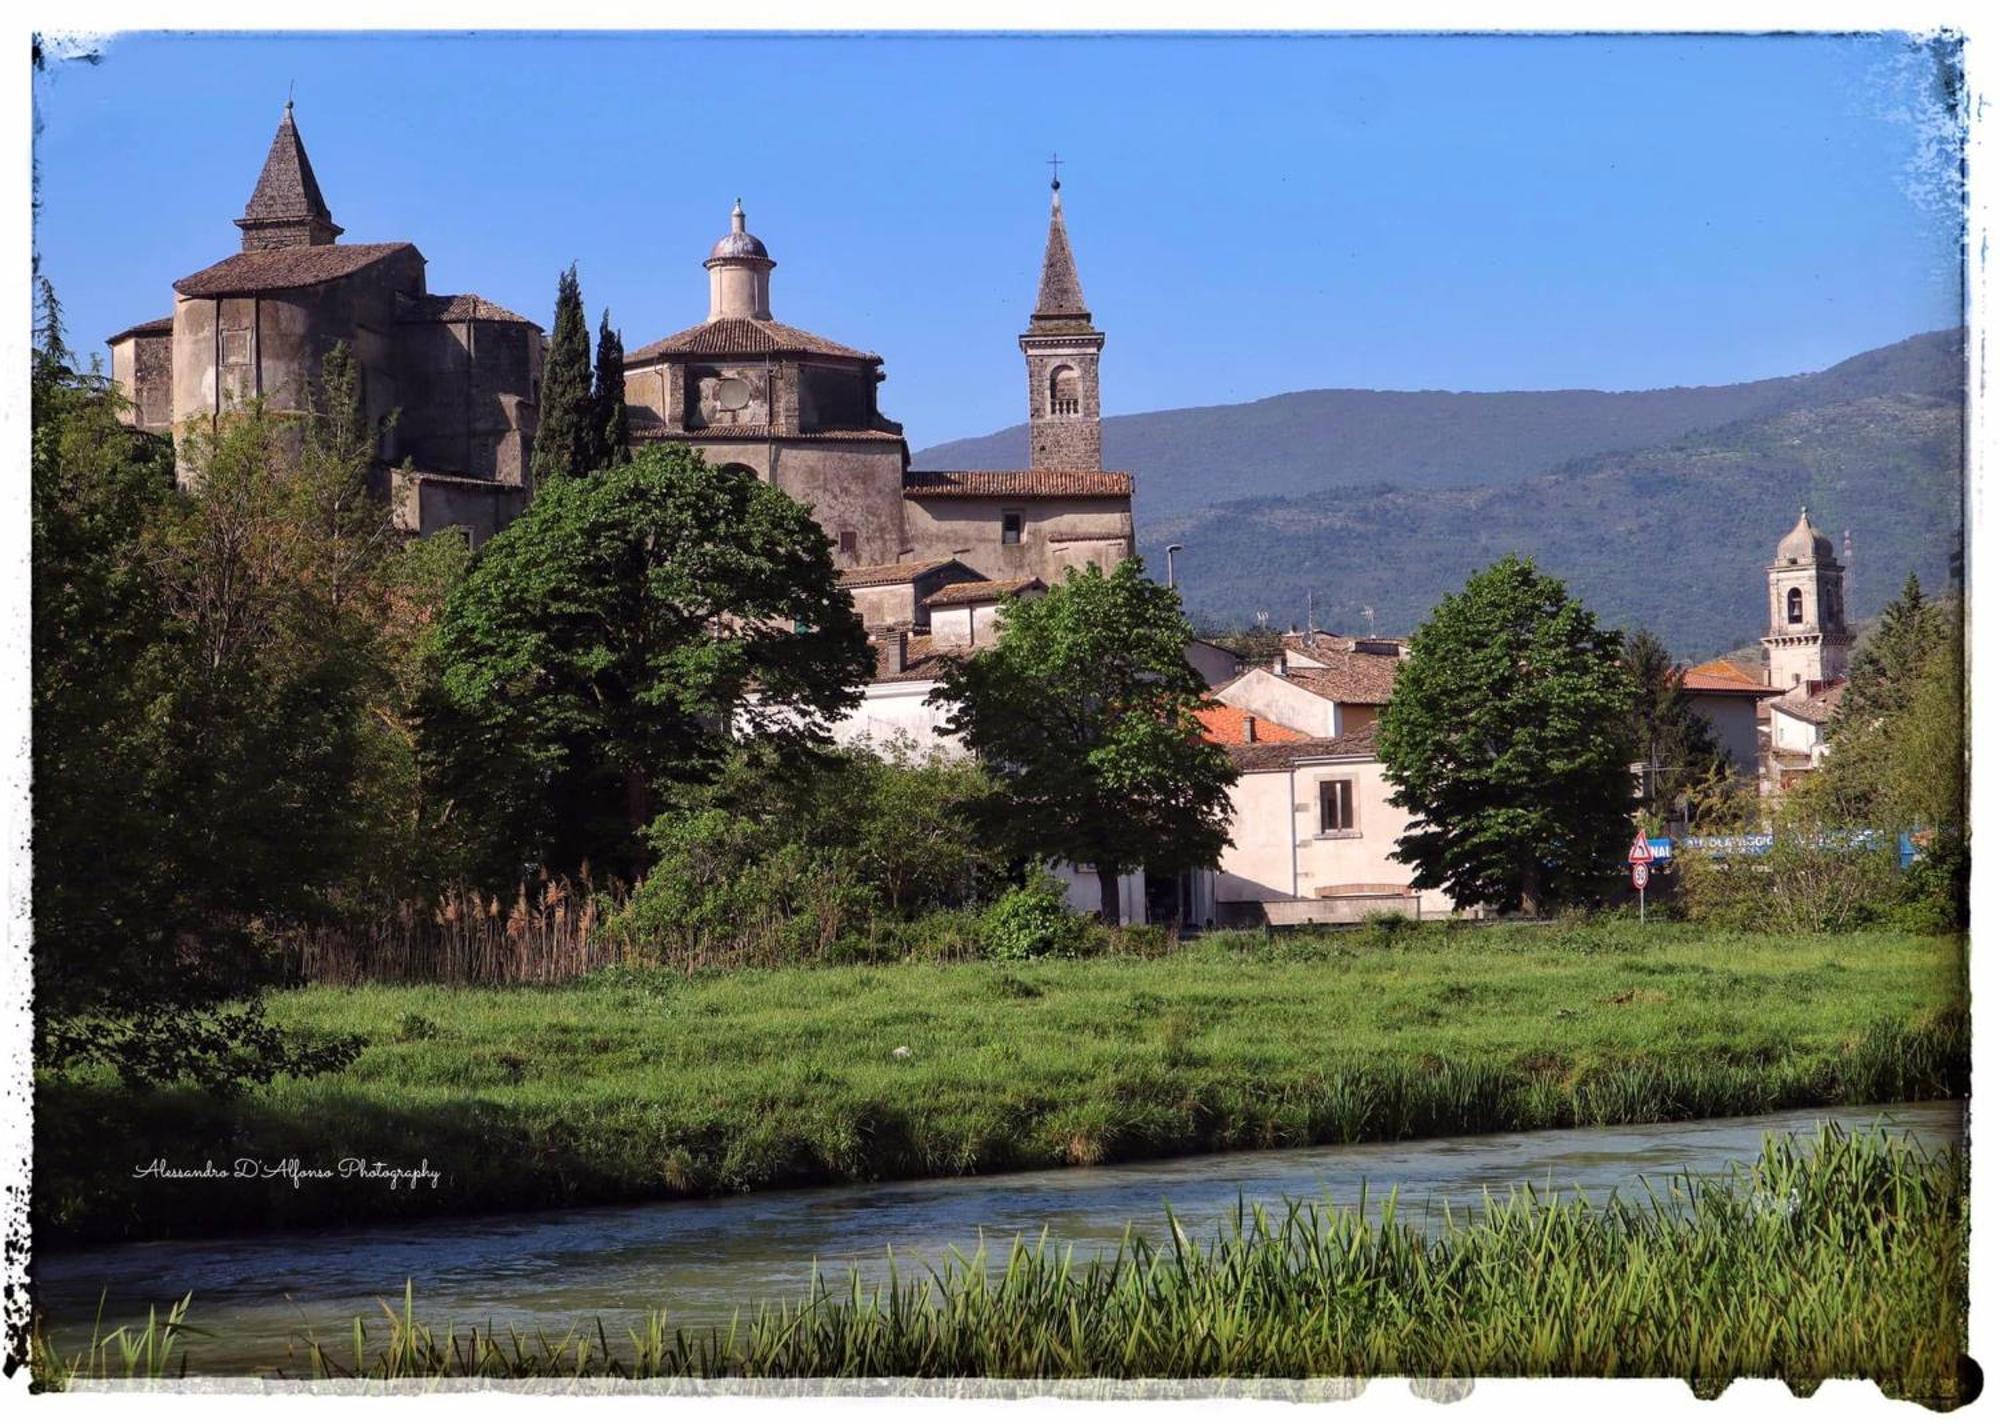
[(1250, 214)]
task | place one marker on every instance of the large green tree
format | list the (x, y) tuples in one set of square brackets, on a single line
[(202, 670), (623, 632), (1675, 742), (1085, 710), (568, 436), (614, 428), (1510, 738)]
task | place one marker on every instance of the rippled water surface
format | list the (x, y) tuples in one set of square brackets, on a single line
[(703, 1260)]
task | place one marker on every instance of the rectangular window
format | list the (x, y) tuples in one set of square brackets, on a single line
[(1336, 806), (849, 542), (1010, 526)]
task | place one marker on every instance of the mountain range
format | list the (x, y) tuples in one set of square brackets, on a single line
[(1659, 508)]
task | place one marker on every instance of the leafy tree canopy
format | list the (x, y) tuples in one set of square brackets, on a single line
[(1084, 709), (625, 631), (1510, 738)]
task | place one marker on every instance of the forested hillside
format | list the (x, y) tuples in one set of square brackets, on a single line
[(1660, 507)]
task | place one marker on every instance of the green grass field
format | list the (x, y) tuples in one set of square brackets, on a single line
[(635, 1085)]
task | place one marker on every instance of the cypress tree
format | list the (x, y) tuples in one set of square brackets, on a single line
[(567, 440), (614, 431)]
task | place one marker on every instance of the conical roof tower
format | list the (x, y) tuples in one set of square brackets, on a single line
[(286, 210), (1064, 427)]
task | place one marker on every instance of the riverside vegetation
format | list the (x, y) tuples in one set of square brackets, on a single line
[(636, 1084), (1842, 1257)]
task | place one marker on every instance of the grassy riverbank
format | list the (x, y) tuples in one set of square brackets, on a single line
[(630, 1086), (1837, 1259)]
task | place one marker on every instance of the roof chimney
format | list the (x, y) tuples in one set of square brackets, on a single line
[(1249, 728), (899, 650)]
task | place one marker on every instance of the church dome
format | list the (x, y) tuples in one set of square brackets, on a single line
[(737, 242), (1805, 544)]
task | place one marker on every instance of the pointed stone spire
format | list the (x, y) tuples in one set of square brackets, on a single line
[(1062, 347), (1060, 298), (287, 210)]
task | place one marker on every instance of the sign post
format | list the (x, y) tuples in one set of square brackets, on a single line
[(1641, 859)]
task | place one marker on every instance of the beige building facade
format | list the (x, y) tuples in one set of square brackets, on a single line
[(1312, 835)]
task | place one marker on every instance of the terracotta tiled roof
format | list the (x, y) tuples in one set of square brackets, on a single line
[(1365, 679), (1232, 727), (878, 575), (158, 326), (644, 430), (1016, 484), (980, 591), (1722, 676), (922, 661), (743, 336), (282, 268), (1275, 756), (465, 306), (1818, 708)]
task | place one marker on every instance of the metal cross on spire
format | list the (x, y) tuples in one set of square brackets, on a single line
[(1055, 174)]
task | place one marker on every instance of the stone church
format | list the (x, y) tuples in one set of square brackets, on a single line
[(802, 411), (462, 374)]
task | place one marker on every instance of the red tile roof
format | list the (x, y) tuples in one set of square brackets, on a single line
[(1817, 708), (922, 661), (1365, 679), (1231, 727), (158, 326), (1276, 756), (279, 269), (743, 336), (980, 591), (464, 306), (879, 575), (1722, 676), (1017, 484)]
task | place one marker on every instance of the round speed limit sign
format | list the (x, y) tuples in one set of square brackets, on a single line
[(1640, 875)]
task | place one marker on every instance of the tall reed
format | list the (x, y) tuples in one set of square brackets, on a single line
[(549, 931)]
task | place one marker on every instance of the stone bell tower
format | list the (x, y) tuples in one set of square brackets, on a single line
[(1064, 429), (1808, 640)]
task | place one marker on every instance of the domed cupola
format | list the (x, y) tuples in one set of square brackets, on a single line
[(739, 273), (1805, 544)]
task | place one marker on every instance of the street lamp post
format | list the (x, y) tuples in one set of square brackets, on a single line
[(1172, 549)]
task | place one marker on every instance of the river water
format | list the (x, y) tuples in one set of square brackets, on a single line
[(703, 1260)]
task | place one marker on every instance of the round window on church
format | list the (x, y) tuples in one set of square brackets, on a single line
[(732, 393)]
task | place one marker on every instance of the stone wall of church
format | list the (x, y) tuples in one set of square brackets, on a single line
[(227, 350), (1056, 534), (143, 367), (470, 390), (854, 488)]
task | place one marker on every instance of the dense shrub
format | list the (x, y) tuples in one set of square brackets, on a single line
[(1034, 921), (846, 856), (1808, 882), (1935, 895)]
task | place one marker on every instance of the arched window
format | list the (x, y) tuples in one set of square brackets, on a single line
[(1795, 607), (1065, 392), (737, 469)]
